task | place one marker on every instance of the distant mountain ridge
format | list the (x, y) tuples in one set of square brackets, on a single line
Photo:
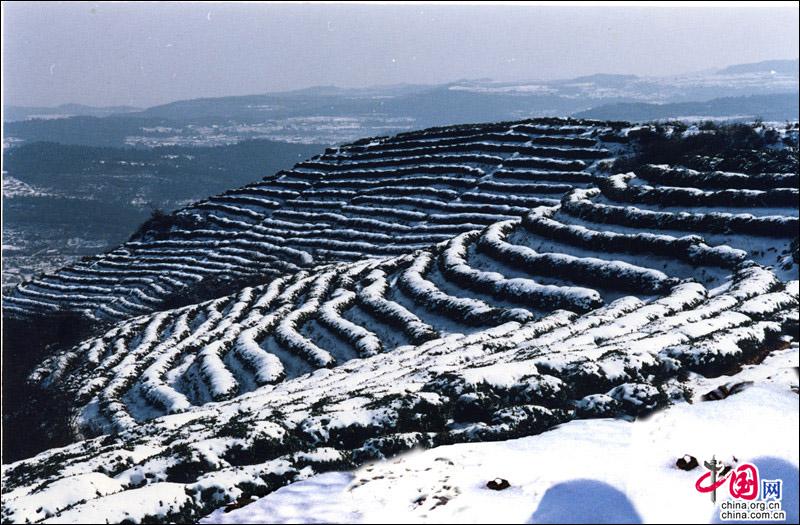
[(459, 101), (786, 67), (13, 113), (497, 100), (766, 107)]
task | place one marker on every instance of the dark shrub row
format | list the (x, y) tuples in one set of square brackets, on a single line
[(410, 180), (457, 207), (454, 266), (420, 160), (559, 176), (421, 169), (617, 188), (690, 248), (588, 271), (515, 188), (481, 147), (673, 176), (577, 205)]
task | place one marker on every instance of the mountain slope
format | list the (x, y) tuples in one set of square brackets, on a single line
[(516, 379), (471, 283), (597, 304), (448, 484), (372, 198)]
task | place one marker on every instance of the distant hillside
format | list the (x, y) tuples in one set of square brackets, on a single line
[(83, 130), (785, 67), (429, 106), (362, 189), (603, 79), (13, 113), (767, 107)]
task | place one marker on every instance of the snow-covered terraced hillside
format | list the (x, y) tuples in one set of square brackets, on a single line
[(564, 257), (518, 378), (456, 284), (372, 198), (595, 305)]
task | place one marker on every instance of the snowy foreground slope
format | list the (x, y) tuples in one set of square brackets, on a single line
[(607, 471), (617, 298)]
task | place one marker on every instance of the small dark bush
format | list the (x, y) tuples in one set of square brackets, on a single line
[(160, 223)]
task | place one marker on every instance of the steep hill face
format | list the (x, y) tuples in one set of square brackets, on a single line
[(547, 289), (373, 198)]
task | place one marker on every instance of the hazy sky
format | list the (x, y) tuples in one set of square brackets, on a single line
[(144, 54)]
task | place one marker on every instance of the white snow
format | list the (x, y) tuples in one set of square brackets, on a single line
[(606, 470)]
